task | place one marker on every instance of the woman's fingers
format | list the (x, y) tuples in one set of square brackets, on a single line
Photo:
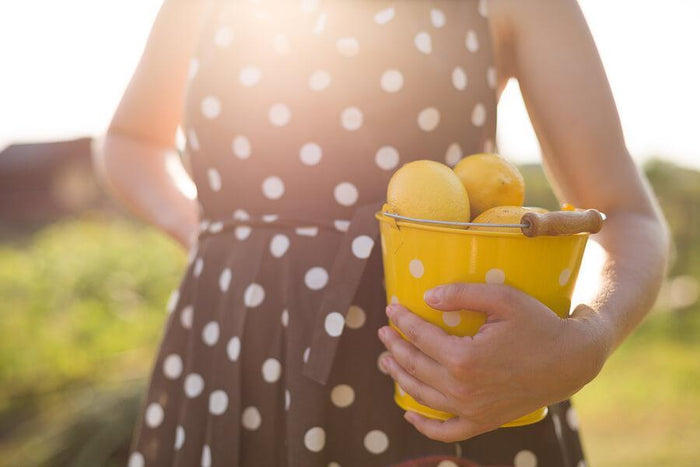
[(420, 391), (448, 431), (429, 338)]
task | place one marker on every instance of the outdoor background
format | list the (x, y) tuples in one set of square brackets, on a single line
[(84, 286)]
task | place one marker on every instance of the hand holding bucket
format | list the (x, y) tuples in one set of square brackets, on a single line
[(419, 255)]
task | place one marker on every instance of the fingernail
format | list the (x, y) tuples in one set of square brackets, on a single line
[(384, 362), (390, 311), (432, 295), (407, 416)]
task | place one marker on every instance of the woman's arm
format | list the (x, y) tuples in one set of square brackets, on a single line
[(133, 156), (552, 54), (524, 356)]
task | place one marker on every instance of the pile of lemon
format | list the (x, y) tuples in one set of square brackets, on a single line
[(482, 188)]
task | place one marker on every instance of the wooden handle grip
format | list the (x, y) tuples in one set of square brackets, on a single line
[(561, 222)]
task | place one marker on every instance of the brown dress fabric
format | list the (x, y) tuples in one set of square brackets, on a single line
[(297, 113)]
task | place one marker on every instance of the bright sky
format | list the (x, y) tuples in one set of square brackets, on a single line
[(65, 64)]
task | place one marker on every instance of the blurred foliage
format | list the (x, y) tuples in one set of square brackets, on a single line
[(83, 305)]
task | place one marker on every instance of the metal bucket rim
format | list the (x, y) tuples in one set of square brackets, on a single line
[(379, 215)]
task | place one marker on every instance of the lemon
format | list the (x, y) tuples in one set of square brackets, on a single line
[(428, 189), (504, 215), (490, 181)]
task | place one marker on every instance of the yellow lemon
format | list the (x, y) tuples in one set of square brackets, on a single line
[(428, 189), (504, 215), (490, 181)]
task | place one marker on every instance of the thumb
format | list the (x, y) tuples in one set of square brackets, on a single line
[(492, 299)]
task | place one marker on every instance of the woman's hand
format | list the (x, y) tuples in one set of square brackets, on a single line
[(524, 357)]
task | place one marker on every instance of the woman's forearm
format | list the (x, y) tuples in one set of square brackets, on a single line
[(630, 273), (135, 171)]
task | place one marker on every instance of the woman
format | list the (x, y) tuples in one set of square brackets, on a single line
[(296, 114)]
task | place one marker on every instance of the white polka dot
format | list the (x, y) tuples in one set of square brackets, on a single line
[(172, 300), (316, 278), (249, 75), (423, 42), (310, 231), (210, 333), (309, 5), (564, 276), (347, 46), (351, 118), (384, 16), (206, 456), (233, 349), (270, 217), (241, 147), (251, 418), (285, 318), (287, 399), (154, 415), (310, 154), (194, 384), (491, 77), (225, 279), (479, 115), (223, 36), (471, 41), (428, 119), (415, 267), (179, 437), (495, 276), (172, 366), (376, 441), (391, 80), (279, 114), (334, 324), (453, 154), (186, 316), (572, 418), (437, 17), (273, 187), (136, 460), (315, 439), (342, 395), (382, 370), (333, 464), (387, 157), (214, 179), (279, 245), (193, 140), (241, 215), (218, 402), (459, 78), (271, 370), (525, 458), (306, 354), (355, 318), (211, 107), (345, 193), (198, 265), (319, 80), (254, 295), (483, 8), (281, 44), (362, 246), (242, 232), (341, 225), (320, 23), (216, 227), (447, 463), (451, 318)]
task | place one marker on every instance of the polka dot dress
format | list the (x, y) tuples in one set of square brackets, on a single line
[(297, 113)]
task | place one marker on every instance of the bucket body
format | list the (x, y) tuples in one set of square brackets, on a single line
[(418, 257)]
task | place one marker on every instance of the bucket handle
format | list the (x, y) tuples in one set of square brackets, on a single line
[(562, 222)]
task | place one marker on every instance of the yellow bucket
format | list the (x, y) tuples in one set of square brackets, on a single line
[(419, 256)]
